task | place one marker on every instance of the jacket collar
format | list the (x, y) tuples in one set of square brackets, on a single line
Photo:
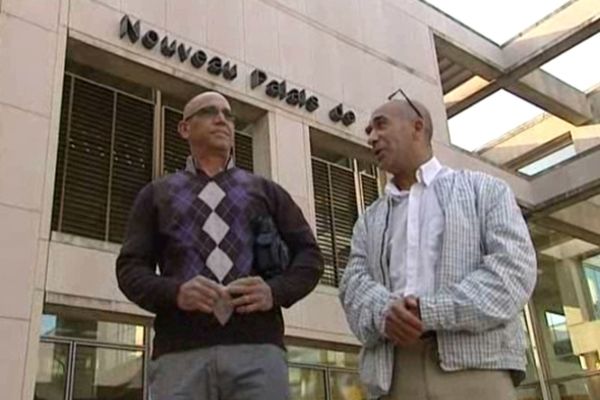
[(425, 174)]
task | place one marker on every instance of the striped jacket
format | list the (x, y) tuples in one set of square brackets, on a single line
[(484, 278)]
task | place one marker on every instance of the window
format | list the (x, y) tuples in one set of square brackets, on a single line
[(324, 374), (52, 371), (104, 159), (107, 374), (176, 149), (549, 161), (106, 154), (337, 204), (557, 327), (83, 358), (345, 385), (563, 304), (369, 186), (591, 267), (307, 384)]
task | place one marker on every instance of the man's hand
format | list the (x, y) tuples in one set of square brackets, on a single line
[(250, 295), (402, 324), (412, 304), (199, 294)]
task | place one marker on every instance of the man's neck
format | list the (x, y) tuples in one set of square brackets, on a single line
[(211, 164), (405, 179)]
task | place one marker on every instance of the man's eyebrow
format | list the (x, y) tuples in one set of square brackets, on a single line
[(378, 118), (375, 120)]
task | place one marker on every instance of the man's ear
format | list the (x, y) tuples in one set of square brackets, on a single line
[(184, 129), (419, 126)]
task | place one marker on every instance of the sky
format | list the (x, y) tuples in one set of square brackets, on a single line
[(499, 21), (489, 119)]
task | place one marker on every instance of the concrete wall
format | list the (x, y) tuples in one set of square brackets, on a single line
[(329, 48), (32, 44)]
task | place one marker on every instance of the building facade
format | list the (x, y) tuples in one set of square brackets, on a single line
[(90, 95)]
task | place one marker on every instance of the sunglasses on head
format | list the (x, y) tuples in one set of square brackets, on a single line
[(369, 128), (410, 103)]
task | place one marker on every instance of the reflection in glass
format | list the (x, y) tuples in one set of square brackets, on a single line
[(591, 266), (529, 393), (52, 371), (577, 389), (107, 374), (307, 355), (564, 301), (307, 384), (559, 335), (101, 331), (346, 386), (530, 369)]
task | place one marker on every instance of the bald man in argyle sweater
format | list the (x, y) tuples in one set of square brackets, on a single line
[(219, 328)]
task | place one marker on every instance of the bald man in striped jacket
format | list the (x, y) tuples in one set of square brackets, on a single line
[(439, 271)]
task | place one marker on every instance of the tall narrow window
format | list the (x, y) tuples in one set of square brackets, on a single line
[(337, 205)]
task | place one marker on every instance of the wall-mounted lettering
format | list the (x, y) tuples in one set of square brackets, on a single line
[(257, 78), (198, 59), (129, 29), (150, 39), (229, 71), (279, 90), (214, 66), (337, 114), (183, 52), (168, 48)]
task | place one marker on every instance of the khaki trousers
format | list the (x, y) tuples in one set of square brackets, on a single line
[(418, 376)]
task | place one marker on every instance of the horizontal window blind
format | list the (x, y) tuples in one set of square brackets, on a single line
[(336, 209), (104, 159), (336, 212)]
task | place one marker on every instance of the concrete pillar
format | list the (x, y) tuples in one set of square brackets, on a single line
[(32, 48), (282, 152)]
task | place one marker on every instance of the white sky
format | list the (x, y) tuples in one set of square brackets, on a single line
[(500, 21), (489, 119), (578, 66)]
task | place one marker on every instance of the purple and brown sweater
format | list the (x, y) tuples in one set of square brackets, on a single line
[(190, 224)]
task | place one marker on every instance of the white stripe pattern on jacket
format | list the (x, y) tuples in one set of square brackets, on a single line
[(486, 274)]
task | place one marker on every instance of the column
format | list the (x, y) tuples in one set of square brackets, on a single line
[(32, 47)]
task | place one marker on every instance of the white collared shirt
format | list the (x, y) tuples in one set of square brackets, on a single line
[(416, 228)]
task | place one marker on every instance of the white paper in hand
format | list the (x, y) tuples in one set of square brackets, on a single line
[(223, 309)]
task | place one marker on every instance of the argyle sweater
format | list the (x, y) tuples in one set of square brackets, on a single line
[(190, 224)]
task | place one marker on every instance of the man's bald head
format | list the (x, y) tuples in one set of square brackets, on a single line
[(402, 109), (201, 101), (208, 125), (400, 136)]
